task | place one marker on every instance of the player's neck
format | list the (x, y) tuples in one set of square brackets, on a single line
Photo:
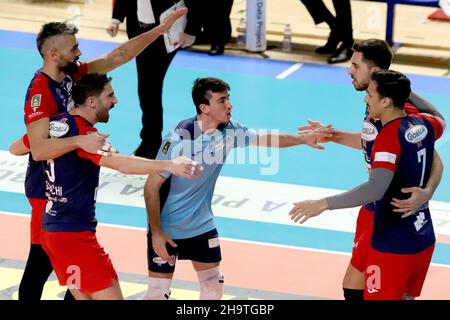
[(84, 113), (206, 124), (391, 114), (53, 72)]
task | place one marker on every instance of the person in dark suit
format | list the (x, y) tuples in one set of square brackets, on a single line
[(217, 24), (152, 64), (340, 26)]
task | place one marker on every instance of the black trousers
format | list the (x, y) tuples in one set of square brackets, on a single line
[(152, 65), (342, 22), (217, 21), (36, 273)]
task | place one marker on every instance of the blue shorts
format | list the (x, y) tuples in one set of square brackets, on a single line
[(203, 248)]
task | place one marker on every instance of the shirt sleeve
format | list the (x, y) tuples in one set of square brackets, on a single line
[(171, 148), (40, 103), (243, 136), (386, 150), (438, 128), (82, 70), (410, 108), (26, 141)]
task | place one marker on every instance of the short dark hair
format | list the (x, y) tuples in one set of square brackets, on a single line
[(91, 85), (52, 29), (203, 87), (376, 51), (392, 84)]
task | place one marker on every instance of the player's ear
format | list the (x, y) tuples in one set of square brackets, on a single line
[(91, 101), (204, 108), (387, 102), (53, 53), (373, 69)]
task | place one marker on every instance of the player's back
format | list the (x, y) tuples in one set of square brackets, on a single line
[(413, 137)]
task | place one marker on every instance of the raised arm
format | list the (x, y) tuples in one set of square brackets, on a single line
[(131, 48), (152, 205)]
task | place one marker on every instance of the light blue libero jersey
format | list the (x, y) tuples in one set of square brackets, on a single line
[(186, 209)]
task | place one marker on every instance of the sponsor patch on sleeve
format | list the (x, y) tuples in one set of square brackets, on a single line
[(166, 147), (385, 157), (36, 100)]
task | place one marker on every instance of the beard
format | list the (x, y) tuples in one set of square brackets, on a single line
[(70, 68)]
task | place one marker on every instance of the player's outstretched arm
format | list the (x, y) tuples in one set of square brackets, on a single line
[(182, 166), (152, 205), (131, 48), (346, 138), (419, 196), (283, 140), (370, 191)]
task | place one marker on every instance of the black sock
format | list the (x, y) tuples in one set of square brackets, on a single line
[(353, 294), (68, 296)]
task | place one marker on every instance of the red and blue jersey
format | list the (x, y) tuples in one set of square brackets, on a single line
[(45, 98), (405, 146), (370, 130), (71, 181)]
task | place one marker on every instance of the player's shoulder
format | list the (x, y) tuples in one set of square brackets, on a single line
[(40, 81), (186, 129)]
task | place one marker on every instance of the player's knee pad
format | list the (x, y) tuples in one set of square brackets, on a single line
[(211, 284), (158, 289)]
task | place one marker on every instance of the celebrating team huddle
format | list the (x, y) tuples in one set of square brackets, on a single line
[(394, 237)]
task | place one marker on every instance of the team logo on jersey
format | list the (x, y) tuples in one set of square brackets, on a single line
[(369, 131), (36, 102), (58, 128), (420, 221), (166, 147), (160, 261), (416, 134)]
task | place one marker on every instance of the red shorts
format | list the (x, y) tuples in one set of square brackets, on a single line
[(37, 210), (79, 260), (389, 276), (362, 240)]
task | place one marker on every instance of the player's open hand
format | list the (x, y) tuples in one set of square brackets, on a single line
[(186, 168), (171, 18), (159, 240), (304, 210), (92, 141), (313, 137), (410, 206), (313, 125), (107, 150)]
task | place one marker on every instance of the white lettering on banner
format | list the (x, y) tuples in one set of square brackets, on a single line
[(234, 198)]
